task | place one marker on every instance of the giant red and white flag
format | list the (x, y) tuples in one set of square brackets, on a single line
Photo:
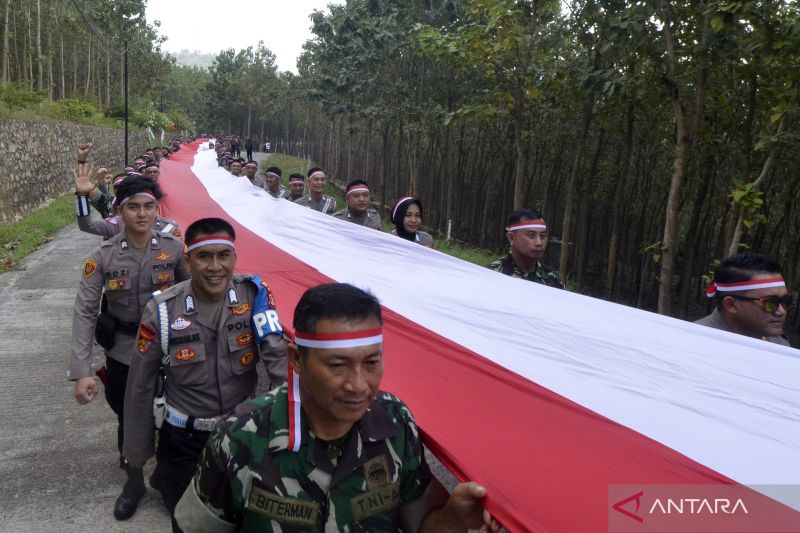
[(552, 400)]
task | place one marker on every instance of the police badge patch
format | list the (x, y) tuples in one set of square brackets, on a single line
[(89, 268), (185, 354), (180, 323), (242, 309)]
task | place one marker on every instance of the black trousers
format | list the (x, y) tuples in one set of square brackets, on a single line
[(115, 395), (177, 454)]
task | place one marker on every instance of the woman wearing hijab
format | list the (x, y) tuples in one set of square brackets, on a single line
[(407, 218)]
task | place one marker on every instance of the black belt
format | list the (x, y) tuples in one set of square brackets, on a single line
[(127, 328)]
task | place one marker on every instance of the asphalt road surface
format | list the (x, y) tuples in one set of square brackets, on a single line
[(59, 466)]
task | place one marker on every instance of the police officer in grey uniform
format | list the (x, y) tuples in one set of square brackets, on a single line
[(316, 181), (358, 210), (86, 190), (204, 337), (129, 266)]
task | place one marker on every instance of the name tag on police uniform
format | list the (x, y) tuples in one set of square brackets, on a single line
[(281, 509)]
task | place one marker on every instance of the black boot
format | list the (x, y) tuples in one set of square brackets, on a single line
[(132, 492)]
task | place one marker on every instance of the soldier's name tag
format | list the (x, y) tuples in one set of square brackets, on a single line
[(282, 509), (375, 501)]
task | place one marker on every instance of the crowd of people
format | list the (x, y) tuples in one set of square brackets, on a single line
[(182, 335)]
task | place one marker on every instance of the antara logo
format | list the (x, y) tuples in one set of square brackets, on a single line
[(629, 506), (698, 506)]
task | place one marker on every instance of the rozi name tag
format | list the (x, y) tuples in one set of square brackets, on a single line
[(375, 501), (281, 509)]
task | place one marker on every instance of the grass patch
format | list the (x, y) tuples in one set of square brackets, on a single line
[(479, 256), (22, 237)]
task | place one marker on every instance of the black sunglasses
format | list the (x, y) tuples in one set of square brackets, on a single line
[(770, 303)]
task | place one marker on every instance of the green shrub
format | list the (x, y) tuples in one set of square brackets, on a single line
[(75, 109), (15, 95)]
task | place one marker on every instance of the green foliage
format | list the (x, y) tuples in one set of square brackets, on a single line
[(15, 95), (75, 110), (33, 230), (747, 196)]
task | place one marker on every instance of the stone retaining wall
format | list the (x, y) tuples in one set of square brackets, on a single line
[(37, 159)]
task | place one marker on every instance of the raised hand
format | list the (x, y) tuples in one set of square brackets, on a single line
[(83, 151), (84, 184)]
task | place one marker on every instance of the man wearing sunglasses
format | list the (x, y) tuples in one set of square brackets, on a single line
[(751, 298)]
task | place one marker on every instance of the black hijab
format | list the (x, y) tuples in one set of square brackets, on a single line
[(399, 214)]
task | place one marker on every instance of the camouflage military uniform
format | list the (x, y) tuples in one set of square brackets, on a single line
[(370, 219), (541, 274), (326, 205), (111, 226), (249, 480), (212, 369)]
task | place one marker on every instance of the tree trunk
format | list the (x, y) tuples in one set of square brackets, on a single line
[(39, 61), (519, 163), (6, 75), (585, 214), (739, 229), (617, 214), (572, 185), (684, 135)]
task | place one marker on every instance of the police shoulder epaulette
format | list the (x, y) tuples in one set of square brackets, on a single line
[(371, 211), (107, 242)]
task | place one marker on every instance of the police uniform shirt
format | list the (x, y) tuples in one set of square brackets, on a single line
[(212, 365), (249, 480), (128, 282), (326, 205), (370, 218), (108, 227)]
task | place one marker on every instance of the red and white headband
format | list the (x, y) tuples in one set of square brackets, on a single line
[(348, 339), (527, 224), (749, 285), (400, 202), (143, 193), (273, 175), (205, 241), (317, 174), (360, 188)]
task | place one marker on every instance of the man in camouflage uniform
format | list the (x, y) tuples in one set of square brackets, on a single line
[(214, 328), (86, 191), (297, 183), (328, 451), (316, 200), (129, 266), (358, 210), (526, 231)]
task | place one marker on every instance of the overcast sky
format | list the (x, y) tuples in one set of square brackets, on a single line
[(209, 26)]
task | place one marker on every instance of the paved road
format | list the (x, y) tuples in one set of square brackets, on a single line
[(58, 460)]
